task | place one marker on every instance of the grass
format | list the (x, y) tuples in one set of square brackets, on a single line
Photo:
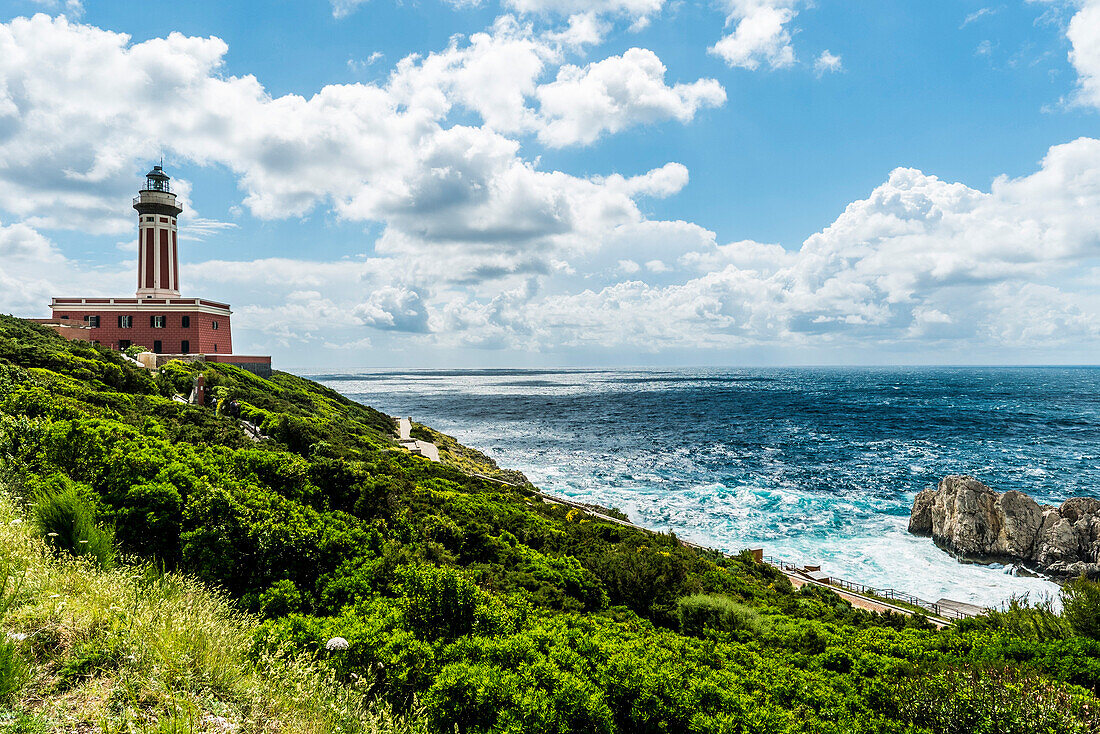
[(131, 649)]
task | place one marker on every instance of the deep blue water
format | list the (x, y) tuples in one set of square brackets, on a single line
[(812, 464)]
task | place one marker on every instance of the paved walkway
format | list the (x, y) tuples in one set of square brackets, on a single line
[(861, 602), (420, 448)]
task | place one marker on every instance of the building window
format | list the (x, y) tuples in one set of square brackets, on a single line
[(125, 322), (185, 347), (215, 349), (124, 344), (157, 322), (92, 321), (214, 325), (157, 347), (186, 322)]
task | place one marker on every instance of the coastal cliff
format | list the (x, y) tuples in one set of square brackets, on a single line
[(976, 523)]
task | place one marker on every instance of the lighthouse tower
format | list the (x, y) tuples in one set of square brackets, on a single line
[(158, 258), (158, 319)]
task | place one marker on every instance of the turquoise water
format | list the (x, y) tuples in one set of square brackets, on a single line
[(814, 465)]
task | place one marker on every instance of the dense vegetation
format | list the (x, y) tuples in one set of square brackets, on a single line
[(468, 604)]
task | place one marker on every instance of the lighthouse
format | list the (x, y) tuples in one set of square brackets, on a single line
[(158, 318), (158, 255)]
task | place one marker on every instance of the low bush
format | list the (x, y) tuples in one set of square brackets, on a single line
[(1081, 607), (700, 612)]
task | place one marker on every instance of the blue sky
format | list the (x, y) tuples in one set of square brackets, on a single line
[(522, 183)]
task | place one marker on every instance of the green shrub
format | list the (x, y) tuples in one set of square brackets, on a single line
[(149, 521), (299, 434), (11, 377), (439, 602), (700, 612), (134, 350), (1081, 607), (280, 599), (1023, 619), (442, 603), (67, 520)]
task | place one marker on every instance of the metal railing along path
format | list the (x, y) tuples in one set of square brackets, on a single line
[(940, 610), (870, 592)]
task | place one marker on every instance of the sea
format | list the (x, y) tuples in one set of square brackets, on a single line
[(813, 465)]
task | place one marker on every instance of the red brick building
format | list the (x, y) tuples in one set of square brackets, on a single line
[(157, 317), (164, 325)]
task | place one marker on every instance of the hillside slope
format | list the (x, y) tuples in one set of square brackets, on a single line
[(467, 604)]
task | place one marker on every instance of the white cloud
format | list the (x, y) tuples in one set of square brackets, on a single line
[(357, 66), (396, 308), (481, 246), (1084, 36), (584, 29), (920, 261), (616, 93), (978, 15), (760, 34), (827, 63), (73, 99), (33, 270)]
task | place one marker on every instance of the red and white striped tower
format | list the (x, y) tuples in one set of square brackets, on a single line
[(158, 258)]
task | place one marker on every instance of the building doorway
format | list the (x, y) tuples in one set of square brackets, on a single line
[(157, 347)]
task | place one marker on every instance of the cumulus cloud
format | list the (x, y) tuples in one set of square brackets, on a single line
[(33, 270), (918, 257), (583, 29), (1084, 37), (396, 308), (618, 92), (73, 99), (919, 261), (760, 34), (482, 247)]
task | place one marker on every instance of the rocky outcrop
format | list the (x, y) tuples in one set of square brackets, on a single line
[(975, 523)]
